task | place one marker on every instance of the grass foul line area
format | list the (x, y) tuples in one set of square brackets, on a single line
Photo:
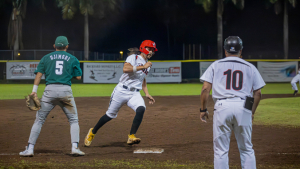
[(18, 91), (278, 111)]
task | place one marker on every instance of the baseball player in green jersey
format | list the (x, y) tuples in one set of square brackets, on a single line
[(59, 68)]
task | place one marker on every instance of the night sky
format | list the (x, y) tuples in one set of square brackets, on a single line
[(136, 20)]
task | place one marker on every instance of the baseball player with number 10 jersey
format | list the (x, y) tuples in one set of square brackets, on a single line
[(233, 81), (127, 91)]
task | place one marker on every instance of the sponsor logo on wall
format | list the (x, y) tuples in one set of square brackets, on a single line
[(277, 71), (163, 72), (102, 72), (111, 72), (21, 70)]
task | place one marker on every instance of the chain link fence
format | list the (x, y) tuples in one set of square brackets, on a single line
[(38, 54)]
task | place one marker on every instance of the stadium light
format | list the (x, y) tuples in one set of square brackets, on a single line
[(121, 52)]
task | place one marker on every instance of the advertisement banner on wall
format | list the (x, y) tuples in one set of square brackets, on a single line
[(203, 66), (160, 72), (164, 72), (21, 70), (277, 71), (102, 72)]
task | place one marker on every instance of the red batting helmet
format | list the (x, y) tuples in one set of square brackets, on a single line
[(147, 43)]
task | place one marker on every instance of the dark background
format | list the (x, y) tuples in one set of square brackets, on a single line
[(136, 20)]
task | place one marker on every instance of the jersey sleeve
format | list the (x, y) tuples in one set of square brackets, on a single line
[(131, 59), (208, 75), (76, 68), (258, 80), (41, 67)]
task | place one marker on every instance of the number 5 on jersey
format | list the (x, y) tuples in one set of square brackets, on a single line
[(234, 79), (59, 67)]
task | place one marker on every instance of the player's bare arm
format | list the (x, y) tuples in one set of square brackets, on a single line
[(128, 68), (206, 88), (36, 83), (145, 89), (257, 97)]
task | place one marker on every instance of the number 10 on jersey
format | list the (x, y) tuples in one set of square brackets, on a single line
[(233, 83)]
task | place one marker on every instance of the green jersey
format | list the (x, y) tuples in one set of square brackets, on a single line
[(59, 67)]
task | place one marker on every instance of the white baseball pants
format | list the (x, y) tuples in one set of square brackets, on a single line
[(230, 115), (120, 96), (294, 82)]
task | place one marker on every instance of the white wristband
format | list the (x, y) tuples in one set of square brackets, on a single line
[(35, 87), (134, 69)]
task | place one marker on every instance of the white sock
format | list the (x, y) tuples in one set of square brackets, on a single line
[(75, 145), (30, 146)]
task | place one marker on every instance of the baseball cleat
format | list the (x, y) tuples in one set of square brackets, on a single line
[(27, 152), (133, 140), (295, 92), (76, 152), (89, 138)]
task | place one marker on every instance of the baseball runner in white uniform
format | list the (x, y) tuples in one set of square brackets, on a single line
[(135, 69), (294, 83), (234, 82)]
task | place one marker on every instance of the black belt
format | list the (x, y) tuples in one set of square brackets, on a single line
[(230, 98), (57, 84), (131, 89)]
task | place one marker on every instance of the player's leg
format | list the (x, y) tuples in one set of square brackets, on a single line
[(68, 105), (118, 98), (294, 84), (243, 133), (41, 115), (138, 105), (222, 129)]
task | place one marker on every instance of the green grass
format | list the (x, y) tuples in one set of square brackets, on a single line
[(139, 164), (279, 111), (277, 88), (18, 91)]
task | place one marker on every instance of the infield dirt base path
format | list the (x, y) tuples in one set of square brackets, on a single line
[(172, 123)]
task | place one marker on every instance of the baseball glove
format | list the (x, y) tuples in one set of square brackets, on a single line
[(33, 103)]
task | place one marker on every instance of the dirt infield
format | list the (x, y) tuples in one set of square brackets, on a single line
[(172, 123)]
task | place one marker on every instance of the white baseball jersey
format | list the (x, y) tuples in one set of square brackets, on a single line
[(126, 91), (232, 80), (233, 77), (295, 80), (134, 80)]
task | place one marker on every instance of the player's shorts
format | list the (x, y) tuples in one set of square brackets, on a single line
[(121, 95)]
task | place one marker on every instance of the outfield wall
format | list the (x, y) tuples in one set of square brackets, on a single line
[(191, 69)]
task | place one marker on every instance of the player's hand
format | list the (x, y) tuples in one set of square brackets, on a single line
[(148, 64), (203, 116), (252, 117), (150, 98), (34, 94)]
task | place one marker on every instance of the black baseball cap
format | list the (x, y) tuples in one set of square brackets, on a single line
[(233, 44)]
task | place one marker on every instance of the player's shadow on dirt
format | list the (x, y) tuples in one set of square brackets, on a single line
[(48, 152), (118, 144), (114, 144)]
